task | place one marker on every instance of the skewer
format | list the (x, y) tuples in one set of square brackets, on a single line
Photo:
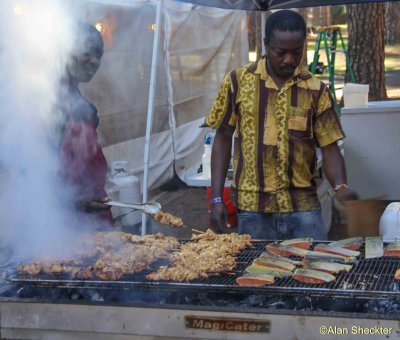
[(198, 231)]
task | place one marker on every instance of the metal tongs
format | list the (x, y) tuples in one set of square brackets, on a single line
[(148, 207)]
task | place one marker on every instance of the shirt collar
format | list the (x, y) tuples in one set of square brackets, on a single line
[(260, 68)]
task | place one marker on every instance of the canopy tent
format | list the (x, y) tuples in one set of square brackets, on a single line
[(264, 5)]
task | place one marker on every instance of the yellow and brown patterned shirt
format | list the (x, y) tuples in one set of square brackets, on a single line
[(276, 135)]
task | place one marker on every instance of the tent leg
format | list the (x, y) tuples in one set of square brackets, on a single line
[(150, 111), (262, 33)]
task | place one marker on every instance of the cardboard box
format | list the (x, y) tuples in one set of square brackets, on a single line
[(358, 218)]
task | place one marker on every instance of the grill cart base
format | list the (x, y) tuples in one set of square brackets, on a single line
[(71, 321)]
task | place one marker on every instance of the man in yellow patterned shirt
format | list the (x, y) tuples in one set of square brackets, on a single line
[(278, 113)]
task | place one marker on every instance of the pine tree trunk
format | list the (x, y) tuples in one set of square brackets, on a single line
[(366, 46), (304, 61), (392, 23), (254, 32)]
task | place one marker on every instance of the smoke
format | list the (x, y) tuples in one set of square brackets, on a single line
[(36, 213)]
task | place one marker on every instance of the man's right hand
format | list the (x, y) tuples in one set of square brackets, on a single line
[(219, 217)]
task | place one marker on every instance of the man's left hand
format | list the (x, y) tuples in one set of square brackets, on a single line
[(93, 204)]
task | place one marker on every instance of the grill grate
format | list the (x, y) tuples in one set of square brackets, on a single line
[(373, 278)]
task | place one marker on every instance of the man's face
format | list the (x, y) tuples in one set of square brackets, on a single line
[(86, 59), (284, 52)]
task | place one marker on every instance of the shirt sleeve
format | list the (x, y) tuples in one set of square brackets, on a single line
[(327, 127), (222, 115)]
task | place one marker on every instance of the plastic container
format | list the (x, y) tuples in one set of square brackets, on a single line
[(206, 157), (355, 95), (128, 191), (389, 225), (232, 211)]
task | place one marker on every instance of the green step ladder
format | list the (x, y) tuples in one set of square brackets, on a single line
[(329, 36)]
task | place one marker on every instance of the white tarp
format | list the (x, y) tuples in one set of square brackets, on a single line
[(198, 46)]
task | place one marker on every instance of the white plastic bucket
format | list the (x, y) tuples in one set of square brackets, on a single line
[(355, 95), (128, 191), (389, 225)]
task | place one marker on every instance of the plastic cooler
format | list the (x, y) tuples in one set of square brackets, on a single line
[(232, 211)]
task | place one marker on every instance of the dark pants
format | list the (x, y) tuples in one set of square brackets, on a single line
[(282, 226)]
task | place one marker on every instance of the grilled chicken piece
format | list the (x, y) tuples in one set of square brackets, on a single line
[(45, 268), (117, 254), (392, 249), (312, 276), (84, 273), (325, 248), (30, 268), (397, 274), (208, 254), (273, 263), (233, 238), (303, 243), (353, 243), (111, 275), (255, 280), (328, 267), (167, 219)]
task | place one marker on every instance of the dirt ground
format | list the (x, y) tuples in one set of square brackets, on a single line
[(188, 203)]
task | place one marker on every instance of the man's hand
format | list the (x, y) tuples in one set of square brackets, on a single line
[(346, 194), (92, 204), (219, 217), (341, 197)]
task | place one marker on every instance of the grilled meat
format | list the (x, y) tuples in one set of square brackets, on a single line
[(392, 249), (207, 254), (282, 250), (256, 269), (281, 258), (312, 276), (167, 219), (328, 267), (353, 243), (303, 243), (327, 257), (117, 254), (325, 248), (255, 280), (273, 263)]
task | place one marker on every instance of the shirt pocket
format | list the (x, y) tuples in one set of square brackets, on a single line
[(300, 123)]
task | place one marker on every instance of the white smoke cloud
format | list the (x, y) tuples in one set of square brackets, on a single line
[(35, 42)]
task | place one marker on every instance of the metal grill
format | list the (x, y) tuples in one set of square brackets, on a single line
[(372, 278)]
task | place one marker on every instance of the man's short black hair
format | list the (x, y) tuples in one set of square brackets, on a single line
[(284, 20)]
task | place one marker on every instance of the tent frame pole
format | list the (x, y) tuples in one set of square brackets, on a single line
[(262, 33), (150, 112)]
